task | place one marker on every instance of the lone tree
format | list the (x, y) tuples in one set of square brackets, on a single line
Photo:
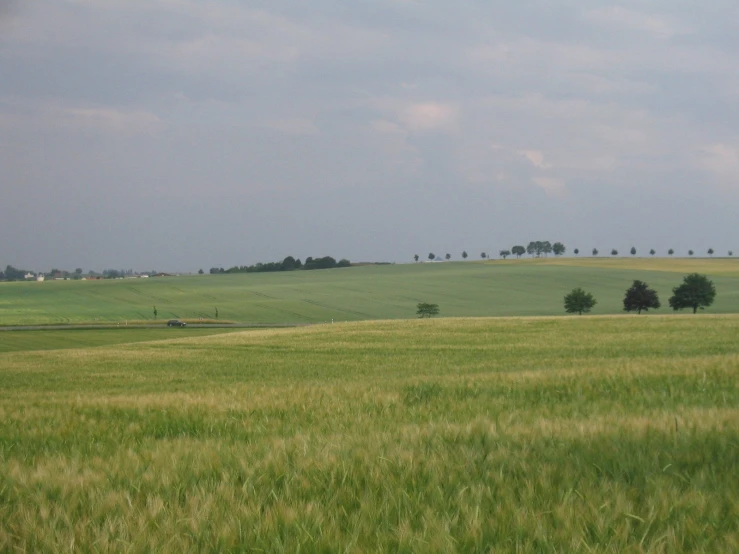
[(416, 257), (483, 255), (640, 297), (710, 251), (652, 252), (427, 310), (432, 255), (731, 253), (505, 253), (695, 292), (690, 252), (448, 256), (464, 254), (156, 313), (670, 251), (518, 251), (558, 248), (595, 251), (633, 250), (216, 312), (614, 252), (578, 302), (576, 251)]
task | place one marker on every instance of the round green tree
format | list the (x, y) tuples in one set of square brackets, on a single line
[(697, 291), (579, 302), (640, 297)]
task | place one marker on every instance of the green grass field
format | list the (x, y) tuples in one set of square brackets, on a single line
[(462, 289), (572, 434), (26, 341)]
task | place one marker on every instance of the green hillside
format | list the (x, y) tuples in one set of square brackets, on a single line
[(497, 288)]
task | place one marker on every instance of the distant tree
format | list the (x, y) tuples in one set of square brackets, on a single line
[(670, 251), (695, 292), (518, 250), (546, 247), (78, 271), (464, 254), (633, 250), (216, 311), (432, 256), (731, 253), (652, 252), (710, 251), (595, 251), (156, 312), (416, 257), (200, 271), (539, 247), (343, 262), (558, 248), (504, 253), (483, 255), (531, 248), (576, 251), (690, 252), (614, 252), (578, 302), (288, 264), (425, 310), (640, 297), (448, 256)]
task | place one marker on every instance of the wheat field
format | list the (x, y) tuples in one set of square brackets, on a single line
[(573, 434)]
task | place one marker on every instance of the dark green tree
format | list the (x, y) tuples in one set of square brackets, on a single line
[(416, 257), (156, 312), (448, 256), (595, 251), (200, 271), (504, 253), (710, 251), (690, 252), (558, 248), (576, 251), (640, 297), (697, 291), (216, 310), (731, 253), (425, 310), (483, 255), (432, 256), (614, 252), (464, 254), (670, 251), (518, 250), (578, 301), (633, 250), (652, 252)]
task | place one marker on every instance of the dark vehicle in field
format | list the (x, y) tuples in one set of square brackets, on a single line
[(176, 323)]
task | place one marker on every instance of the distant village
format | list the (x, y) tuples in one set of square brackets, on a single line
[(14, 274)]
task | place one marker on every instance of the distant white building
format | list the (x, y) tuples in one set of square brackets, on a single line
[(28, 276), (39, 277)]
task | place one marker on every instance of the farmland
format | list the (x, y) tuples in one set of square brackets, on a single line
[(462, 289), (571, 434)]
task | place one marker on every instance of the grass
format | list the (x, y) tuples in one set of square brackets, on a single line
[(16, 341), (579, 434), (461, 289)]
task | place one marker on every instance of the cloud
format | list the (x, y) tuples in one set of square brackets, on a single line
[(553, 187), (429, 116), (293, 126), (535, 157), (618, 16)]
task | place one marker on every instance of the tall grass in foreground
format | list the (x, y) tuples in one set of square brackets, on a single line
[(521, 435)]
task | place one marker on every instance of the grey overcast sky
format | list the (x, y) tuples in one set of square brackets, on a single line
[(180, 134)]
